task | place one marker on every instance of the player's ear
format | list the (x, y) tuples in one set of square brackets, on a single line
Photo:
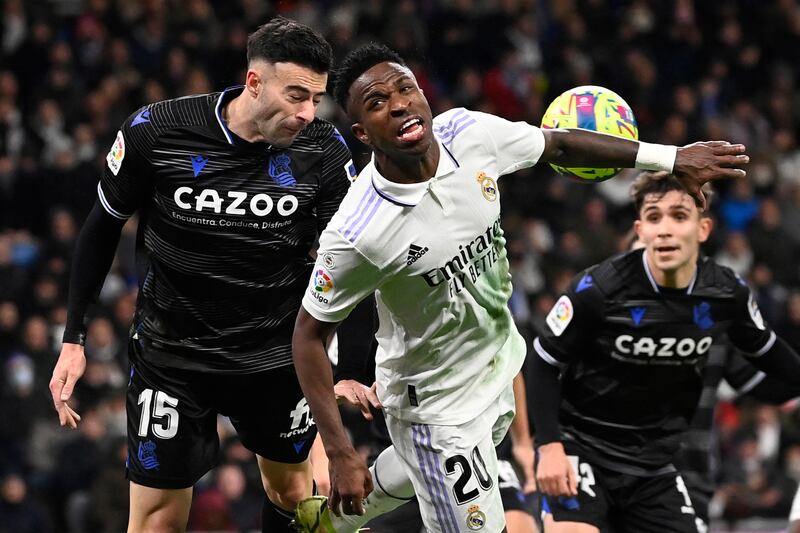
[(360, 133), (252, 82), (637, 227), (704, 230)]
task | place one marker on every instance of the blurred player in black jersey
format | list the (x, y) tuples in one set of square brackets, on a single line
[(618, 371), (232, 189)]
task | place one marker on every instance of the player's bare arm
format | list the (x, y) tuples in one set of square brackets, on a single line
[(349, 477), (694, 164)]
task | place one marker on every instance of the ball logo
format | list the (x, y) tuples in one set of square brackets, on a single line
[(327, 260), (322, 281), (476, 518), (488, 186)]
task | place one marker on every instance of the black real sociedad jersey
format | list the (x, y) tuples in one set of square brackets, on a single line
[(632, 356), (225, 230)]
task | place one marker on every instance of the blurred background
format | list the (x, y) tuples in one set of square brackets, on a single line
[(71, 71)]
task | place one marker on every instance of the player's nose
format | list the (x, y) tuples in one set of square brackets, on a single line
[(306, 112)]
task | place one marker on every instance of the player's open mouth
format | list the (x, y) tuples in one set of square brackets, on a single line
[(666, 249), (412, 130)]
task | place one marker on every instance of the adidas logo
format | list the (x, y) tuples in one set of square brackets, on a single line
[(414, 253)]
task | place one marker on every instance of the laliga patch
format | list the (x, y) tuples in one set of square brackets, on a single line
[(755, 312), (116, 154), (321, 286), (560, 316)]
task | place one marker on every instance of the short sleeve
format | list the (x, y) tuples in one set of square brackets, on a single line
[(338, 172), (517, 144), (570, 322), (749, 332), (127, 177), (341, 278)]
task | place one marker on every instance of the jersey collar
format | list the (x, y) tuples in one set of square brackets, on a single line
[(224, 97), (410, 194), (653, 280)]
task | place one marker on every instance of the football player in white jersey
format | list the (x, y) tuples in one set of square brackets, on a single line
[(420, 228)]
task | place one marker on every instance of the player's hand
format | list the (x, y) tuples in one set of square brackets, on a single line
[(69, 369), (698, 163), (351, 482), (555, 475), (524, 456), (358, 395)]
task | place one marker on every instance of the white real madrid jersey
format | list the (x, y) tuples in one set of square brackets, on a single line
[(434, 254)]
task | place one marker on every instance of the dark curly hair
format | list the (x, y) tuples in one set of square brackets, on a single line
[(282, 40), (356, 63), (660, 183)]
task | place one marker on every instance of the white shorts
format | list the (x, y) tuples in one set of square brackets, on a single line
[(454, 468), (794, 514)]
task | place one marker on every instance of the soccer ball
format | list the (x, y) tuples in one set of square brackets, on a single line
[(590, 107)]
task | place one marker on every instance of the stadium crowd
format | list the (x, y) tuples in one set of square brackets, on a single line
[(71, 71)]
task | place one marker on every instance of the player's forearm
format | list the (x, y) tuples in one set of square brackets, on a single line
[(774, 391), (781, 362), (520, 429), (316, 379), (94, 252), (582, 148), (545, 400)]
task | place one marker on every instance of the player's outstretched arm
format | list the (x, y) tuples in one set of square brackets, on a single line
[(94, 253), (694, 164), (350, 479)]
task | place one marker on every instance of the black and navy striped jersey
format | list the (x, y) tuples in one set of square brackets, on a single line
[(225, 231), (632, 356)]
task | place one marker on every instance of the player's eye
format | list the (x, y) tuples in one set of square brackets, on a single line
[(406, 88), (295, 98)]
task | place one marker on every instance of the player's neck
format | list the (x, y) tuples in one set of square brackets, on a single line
[(680, 278), (404, 169), (234, 117)]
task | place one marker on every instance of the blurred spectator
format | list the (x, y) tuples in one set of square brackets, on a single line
[(736, 253), (19, 513)]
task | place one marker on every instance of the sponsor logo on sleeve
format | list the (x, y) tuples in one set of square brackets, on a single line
[(328, 260), (560, 316), (755, 312), (321, 286), (116, 154)]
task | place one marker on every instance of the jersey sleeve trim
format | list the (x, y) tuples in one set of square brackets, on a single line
[(549, 359), (751, 383), (525, 164), (767, 346), (107, 206), (331, 318)]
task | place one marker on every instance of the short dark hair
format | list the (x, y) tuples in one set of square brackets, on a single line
[(282, 40), (356, 63), (660, 183)]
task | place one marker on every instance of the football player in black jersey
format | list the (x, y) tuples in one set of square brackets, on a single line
[(232, 189), (618, 371)]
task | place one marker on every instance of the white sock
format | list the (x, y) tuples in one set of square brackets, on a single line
[(392, 488)]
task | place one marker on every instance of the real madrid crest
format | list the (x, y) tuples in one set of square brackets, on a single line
[(488, 186), (476, 519)]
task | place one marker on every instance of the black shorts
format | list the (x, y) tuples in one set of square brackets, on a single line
[(625, 503), (172, 420)]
